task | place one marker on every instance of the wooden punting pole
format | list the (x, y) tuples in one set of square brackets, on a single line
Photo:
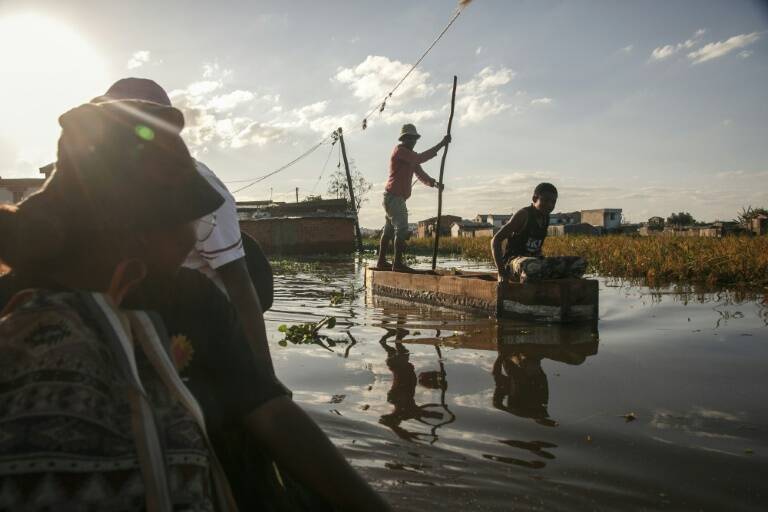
[(440, 181)]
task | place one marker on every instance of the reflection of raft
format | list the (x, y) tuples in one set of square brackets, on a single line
[(561, 300)]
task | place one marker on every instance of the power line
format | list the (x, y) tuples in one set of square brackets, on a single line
[(380, 108), (284, 167), (327, 159)]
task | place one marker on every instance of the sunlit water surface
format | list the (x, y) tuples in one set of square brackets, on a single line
[(441, 409)]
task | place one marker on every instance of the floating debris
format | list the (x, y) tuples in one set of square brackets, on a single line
[(630, 416)]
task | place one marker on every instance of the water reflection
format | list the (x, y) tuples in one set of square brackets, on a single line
[(520, 385), (403, 391), (440, 408)]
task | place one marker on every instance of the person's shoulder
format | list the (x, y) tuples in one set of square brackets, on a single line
[(213, 180), (401, 150)]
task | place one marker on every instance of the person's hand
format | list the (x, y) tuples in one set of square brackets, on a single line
[(446, 140), (439, 186)]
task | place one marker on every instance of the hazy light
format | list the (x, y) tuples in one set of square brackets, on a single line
[(46, 68)]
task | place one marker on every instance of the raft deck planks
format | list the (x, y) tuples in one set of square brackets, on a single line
[(557, 300)]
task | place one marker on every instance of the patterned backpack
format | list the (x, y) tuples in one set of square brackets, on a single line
[(93, 415)]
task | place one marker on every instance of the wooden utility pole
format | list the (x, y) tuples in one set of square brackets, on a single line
[(358, 236), (440, 181), (297, 194)]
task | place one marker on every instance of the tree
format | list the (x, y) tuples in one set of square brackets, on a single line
[(681, 219), (337, 184), (746, 215)]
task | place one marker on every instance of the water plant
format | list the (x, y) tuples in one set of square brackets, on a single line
[(308, 334)]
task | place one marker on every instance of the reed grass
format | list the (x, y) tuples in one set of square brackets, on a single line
[(728, 261)]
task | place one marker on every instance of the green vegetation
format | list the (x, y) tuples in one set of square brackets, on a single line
[(308, 334), (729, 261)]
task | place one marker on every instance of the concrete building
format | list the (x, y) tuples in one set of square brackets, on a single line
[(497, 220), (582, 228), (426, 227), (564, 219), (471, 229), (715, 230), (759, 225), (605, 218), (13, 190), (324, 226)]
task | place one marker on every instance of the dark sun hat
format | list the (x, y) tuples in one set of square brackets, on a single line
[(122, 166), (135, 89)]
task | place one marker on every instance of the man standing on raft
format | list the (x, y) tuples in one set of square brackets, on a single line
[(403, 164)]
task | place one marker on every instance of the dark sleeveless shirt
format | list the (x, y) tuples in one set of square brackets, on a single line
[(529, 240)]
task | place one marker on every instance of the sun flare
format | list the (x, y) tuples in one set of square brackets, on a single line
[(47, 68)]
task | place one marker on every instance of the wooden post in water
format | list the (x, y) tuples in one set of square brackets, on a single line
[(440, 181), (358, 236)]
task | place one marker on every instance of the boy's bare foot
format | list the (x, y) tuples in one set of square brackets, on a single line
[(382, 266), (405, 269)]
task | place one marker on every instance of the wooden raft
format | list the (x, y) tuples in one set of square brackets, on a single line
[(554, 301)]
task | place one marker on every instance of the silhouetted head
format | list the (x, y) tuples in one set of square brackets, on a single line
[(545, 197), (409, 135), (125, 188)]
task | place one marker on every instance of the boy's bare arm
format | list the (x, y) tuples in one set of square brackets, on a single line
[(515, 225), (301, 448), (242, 294)]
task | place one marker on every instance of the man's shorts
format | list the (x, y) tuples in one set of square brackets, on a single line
[(555, 267), (397, 217)]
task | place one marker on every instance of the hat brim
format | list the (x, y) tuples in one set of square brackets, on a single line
[(409, 136)]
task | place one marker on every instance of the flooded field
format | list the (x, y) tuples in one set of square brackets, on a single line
[(662, 408)]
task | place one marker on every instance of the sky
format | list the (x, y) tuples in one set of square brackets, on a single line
[(652, 107)]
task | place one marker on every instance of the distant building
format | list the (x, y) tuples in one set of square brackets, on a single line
[(759, 225), (14, 190), (323, 226), (558, 219), (471, 229), (607, 219), (656, 222), (581, 228), (497, 220), (715, 230), (426, 227)]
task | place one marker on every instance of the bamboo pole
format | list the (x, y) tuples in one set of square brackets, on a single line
[(440, 181), (358, 235)]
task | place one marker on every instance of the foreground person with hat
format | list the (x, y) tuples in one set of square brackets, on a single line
[(219, 253), (95, 415), (403, 164)]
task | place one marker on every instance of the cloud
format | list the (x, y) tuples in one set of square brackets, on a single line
[(479, 50), (138, 59), (480, 98), (714, 50), (373, 78), (230, 100), (666, 51), (627, 49), (541, 101)]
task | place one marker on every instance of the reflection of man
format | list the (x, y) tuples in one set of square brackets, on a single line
[(403, 390), (521, 380)]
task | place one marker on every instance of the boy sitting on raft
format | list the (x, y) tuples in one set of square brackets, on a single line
[(525, 234)]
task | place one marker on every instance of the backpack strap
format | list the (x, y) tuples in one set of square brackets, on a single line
[(143, 423), (150, 336)]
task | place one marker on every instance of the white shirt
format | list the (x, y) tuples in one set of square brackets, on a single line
[(224, 244)]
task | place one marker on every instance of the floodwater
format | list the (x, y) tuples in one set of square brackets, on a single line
[(663, 409)]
